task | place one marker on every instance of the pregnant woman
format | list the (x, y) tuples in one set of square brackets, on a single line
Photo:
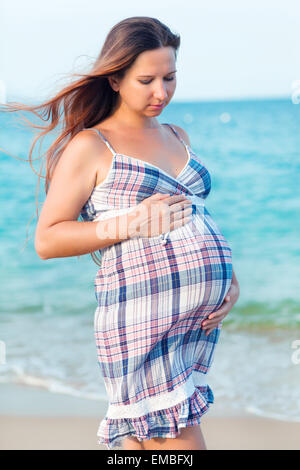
[(165, 280)]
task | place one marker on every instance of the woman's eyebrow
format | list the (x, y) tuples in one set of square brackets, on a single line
[(150, 76)]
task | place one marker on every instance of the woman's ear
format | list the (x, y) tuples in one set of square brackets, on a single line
[(114, 83)]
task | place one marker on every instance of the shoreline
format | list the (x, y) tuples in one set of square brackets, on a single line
[(36, 419)]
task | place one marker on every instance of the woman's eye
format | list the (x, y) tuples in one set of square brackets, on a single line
[(149, 81)]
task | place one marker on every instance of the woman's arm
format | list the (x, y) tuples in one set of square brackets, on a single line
[(234, 280), (59, 233), (72, 238)]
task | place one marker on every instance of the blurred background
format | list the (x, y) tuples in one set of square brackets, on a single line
[(237, 97)]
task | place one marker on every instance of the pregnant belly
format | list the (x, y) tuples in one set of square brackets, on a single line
[(192, 271)]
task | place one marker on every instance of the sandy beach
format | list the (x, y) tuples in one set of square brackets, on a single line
[(35, 419)]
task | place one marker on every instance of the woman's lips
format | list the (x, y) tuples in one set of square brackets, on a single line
[(156, 105)]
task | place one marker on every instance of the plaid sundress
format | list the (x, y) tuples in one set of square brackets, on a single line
[(153, 294)]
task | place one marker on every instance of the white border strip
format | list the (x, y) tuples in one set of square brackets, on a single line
[(165, 400)]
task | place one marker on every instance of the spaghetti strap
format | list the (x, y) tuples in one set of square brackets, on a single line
[(103, 138), (113, 151), (134, 316), (176, 133)]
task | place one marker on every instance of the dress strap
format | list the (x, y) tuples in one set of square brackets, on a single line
[(102, 136), (176, 133)]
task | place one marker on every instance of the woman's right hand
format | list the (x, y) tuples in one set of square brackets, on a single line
[(158, 214)]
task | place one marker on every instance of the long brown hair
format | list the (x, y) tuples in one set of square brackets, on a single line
[(89, 99)]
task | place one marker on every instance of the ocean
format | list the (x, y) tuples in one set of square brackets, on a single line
[(252, 151)]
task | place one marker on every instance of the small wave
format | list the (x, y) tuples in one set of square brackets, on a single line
[(267, 414), (50, 385)]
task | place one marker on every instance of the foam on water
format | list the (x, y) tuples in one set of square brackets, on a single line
[(251, 149)]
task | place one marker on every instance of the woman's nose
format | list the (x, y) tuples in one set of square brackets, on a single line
[(160, 92)]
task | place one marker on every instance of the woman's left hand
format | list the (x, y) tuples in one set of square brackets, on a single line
[(216, 317)]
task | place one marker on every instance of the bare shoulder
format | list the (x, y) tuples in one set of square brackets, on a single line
[(79, 151), (87, 146), (72, 181), (183, 134), (83, 153)]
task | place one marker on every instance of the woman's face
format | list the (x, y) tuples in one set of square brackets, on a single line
[(151, 80)]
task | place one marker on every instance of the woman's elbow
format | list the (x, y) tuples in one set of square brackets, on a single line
[(41, 248)]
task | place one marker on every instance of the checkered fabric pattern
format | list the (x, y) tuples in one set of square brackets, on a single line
[(151, 300)]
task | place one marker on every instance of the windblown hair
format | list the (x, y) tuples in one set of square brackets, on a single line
[(89, 99)]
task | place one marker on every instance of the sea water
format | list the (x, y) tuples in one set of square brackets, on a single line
[(252, 151)]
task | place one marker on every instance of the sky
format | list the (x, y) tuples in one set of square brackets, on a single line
[(229, 49)]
